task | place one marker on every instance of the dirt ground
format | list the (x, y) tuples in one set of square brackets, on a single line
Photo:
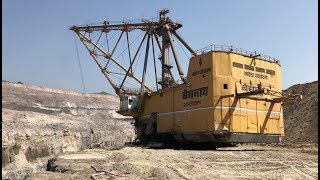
[(241, 162)]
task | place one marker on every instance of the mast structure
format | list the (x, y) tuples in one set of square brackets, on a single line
[(162, 31)]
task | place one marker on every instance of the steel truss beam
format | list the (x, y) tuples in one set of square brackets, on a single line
[(86, 40), (162, 28)]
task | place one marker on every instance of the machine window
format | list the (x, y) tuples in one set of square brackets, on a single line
[(260, 70), (271, 72), (225, 86), (249, 67), (130, 101), (238, 65)]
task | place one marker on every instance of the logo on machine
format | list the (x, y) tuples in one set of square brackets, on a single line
[(195, 93), (201, 71), (192, 103), (250, 74), (248, 87)]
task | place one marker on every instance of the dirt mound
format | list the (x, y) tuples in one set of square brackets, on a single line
[(301, 117)]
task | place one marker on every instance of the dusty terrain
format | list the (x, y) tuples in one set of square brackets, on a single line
[(242, 162), (65, 132)]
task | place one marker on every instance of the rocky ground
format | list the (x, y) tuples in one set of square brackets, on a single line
[(39, 123), (58, 134)]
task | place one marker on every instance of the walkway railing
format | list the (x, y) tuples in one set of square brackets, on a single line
[(240, 51)]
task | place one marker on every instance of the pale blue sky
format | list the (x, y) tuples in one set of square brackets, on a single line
[(38, 47)]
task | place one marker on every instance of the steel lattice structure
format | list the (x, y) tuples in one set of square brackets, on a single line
[(162, 31)]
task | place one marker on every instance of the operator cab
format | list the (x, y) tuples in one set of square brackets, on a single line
[(128, 102)]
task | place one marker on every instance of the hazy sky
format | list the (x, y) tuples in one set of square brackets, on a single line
[(38, 48)]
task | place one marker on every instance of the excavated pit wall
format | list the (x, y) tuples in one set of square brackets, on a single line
[(38, 123), (301, 117)]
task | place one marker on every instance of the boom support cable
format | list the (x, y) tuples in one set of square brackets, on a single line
[(79, 64)]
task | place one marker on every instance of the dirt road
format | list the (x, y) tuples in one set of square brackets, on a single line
[(242, 162)]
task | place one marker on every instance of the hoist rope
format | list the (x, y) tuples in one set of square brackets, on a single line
[(181, 46), (183, 50), (125, 82), (79, 64), (139, 55), (129, 45)]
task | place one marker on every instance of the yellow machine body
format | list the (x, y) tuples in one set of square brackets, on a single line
[(229, 95), (208, 108)]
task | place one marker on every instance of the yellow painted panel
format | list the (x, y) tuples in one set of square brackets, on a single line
[(217, 112), (213, 70), (165, 123), (262, 116), (281, 125), (222, 64), (244, 115), (200, 120), (275, 124), (262, 122), (236, 119), (178, 123), (244, 123), (210, 120), (275, 111), (180, 119), (225, 112), (252, 122), (252, 115), (236, 122), (271, 127)]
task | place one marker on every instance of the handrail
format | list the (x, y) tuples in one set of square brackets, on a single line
[(225, 48)]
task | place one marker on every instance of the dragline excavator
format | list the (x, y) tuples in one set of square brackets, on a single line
[(228, 95)]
